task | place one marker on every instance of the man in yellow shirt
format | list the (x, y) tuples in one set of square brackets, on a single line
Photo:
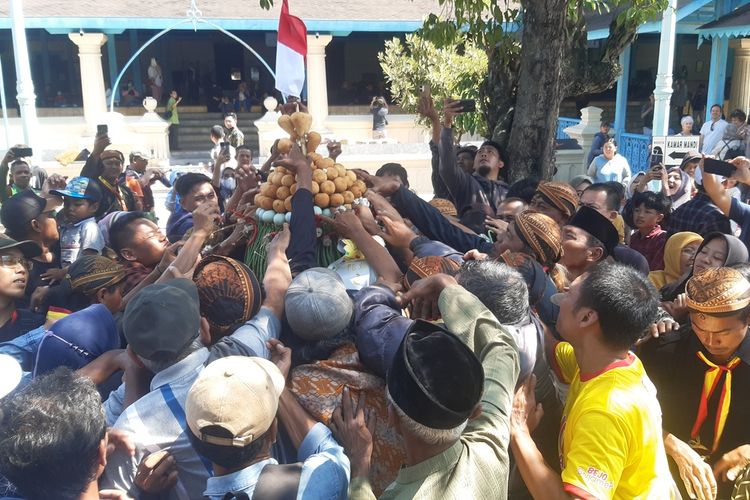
[(611, 443)]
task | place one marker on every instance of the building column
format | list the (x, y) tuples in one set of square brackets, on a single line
[(621, 101), (92, 76), (317, 84), (739, 95), (717, 75), (663, 88), (24, 84)]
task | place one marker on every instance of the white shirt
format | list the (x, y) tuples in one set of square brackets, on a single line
[(711, 133), (232, 163), (603, 170)]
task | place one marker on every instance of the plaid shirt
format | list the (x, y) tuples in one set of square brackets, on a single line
[(699, 215), (651, 246)]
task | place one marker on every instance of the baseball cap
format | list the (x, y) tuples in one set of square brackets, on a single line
[(139, 154), (239, 394), (29, 249), (19, 210), (82, 188), (317, 305), (162, 319)]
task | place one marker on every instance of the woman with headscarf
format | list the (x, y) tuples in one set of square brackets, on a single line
[(679, 187), (717, 250), (679, 253)]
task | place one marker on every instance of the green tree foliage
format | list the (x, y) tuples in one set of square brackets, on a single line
[(523, 64), (453, 71)]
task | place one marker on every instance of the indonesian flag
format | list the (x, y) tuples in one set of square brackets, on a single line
[(291, 50)]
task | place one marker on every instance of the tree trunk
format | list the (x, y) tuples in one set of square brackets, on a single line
[(545, 46)]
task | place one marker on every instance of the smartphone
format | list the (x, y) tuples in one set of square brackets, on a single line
[(224, 148), (102, 129), (468, 105), (22, 152), (718, 167)]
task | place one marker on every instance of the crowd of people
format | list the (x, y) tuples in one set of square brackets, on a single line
[(540, 339)]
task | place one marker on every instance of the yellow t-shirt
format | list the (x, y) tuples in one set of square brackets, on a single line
[(611, 444)]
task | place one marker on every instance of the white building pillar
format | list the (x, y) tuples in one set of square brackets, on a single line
[(92, 77), (24, 85), (663, 88), (739, 95), (317, 84)]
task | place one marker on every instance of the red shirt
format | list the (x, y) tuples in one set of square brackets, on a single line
[(651, 246)]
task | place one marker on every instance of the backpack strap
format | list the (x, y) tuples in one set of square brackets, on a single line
[(278, 482)]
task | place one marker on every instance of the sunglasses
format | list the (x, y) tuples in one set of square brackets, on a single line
[(13, 261)]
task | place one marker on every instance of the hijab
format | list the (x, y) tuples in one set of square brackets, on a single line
[(682, 195), (672, 252), (736, 254)]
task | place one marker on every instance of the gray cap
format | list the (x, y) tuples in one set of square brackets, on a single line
[(162, 319), (317, 305)]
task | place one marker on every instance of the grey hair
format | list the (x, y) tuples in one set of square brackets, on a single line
[(427, 435), (686, 119), (163, 364), (499, 287)]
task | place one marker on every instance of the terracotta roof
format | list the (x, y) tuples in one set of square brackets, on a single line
[(382, 10)]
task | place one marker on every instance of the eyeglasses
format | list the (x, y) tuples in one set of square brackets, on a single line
[(13, 261)]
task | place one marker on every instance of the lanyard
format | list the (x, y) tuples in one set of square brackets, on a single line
[(115, 191)]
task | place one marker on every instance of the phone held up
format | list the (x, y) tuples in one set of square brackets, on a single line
[(102, 129), (718, 167), (22, 152), (468, 105)]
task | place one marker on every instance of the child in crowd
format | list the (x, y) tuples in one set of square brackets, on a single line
[(79, 232), (649, 210)]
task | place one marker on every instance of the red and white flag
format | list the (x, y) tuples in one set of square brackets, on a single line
[(291, 51)]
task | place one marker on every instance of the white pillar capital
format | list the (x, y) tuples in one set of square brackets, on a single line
[(317, 84), (88, 43), (316, 44), (741, 45), (92, 76)]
